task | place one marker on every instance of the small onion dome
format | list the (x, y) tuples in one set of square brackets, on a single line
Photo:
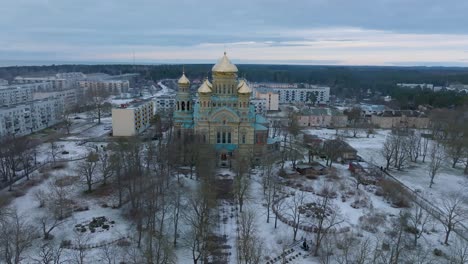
[(224, 65), (183, 79), (243, 88), (205, 87)]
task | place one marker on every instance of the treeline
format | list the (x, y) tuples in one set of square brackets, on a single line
[(345, 81)]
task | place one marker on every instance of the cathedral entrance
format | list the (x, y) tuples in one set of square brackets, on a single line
[(224, 159)]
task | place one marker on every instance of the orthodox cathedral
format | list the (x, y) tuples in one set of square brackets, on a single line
[(221, 115)]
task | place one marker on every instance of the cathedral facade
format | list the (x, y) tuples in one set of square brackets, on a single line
[(222, 115)]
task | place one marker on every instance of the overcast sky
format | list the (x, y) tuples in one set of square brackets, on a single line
[(344, 32)]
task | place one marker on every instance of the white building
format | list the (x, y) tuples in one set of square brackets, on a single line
[(296, 93), (3, 82), (132, 119), (260, 105), (416, 85), (110, 86), (12, 95), (69, 96), (57, 83), (23, 119), (164, 103), (271, 98)]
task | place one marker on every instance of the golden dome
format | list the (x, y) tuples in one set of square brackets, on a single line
[(183, 79), (224, 65), (205, 87), (243, 88)]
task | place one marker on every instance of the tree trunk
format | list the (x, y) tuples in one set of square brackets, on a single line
[(447, 236)]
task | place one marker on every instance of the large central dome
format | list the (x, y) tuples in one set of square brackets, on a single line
[(224, 65)]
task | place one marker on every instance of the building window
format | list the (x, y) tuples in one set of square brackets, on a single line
[(218, 137), (229, 137), (243, 138)]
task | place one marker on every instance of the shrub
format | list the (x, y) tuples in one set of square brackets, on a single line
[(395, 193), (438, 252), (65, 243), (371, 221)]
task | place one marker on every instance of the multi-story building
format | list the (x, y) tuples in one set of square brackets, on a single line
[(132, 119), (69, 96), (322, 117), (271, 98), (223, 117), (164, 103), (260, 105), (57, 83), (400, 119), (3, 82), (23, 119), (12, 95), (297, 93), (109, 86)]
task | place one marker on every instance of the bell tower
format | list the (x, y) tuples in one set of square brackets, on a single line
[(183, 114)]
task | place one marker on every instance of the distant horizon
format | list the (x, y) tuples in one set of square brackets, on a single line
[(35, 63)]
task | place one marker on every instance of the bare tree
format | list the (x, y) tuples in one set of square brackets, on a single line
[(105, 166), (437, 156), (333, 149), (352, 249), (424, 147), (176, 203), (388, 151), (270, 183), (16, 236), (400, 145), (49, 254), (327, 217), (80, 241), (414, 146), (97, 99), (198, 216), (87, 169), (459, 252), (48, 223), (54, 150), (453, 213), (356, 122), (416, 222), (292, 211), (249, 247), (241, 182)]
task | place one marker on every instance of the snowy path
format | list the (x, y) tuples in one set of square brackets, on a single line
[(164, 91)]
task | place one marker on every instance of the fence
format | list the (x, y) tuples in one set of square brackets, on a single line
[(461, 231), (91, 246)]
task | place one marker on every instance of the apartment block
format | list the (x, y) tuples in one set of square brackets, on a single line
[(110, 86), (23, 119), (12, 95), (271, 98), (69, 96), (297, 93), (132, 119), (164, 103)]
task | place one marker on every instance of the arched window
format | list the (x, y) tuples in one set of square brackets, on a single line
[(183, 106), (243, 138), (188, 106)]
